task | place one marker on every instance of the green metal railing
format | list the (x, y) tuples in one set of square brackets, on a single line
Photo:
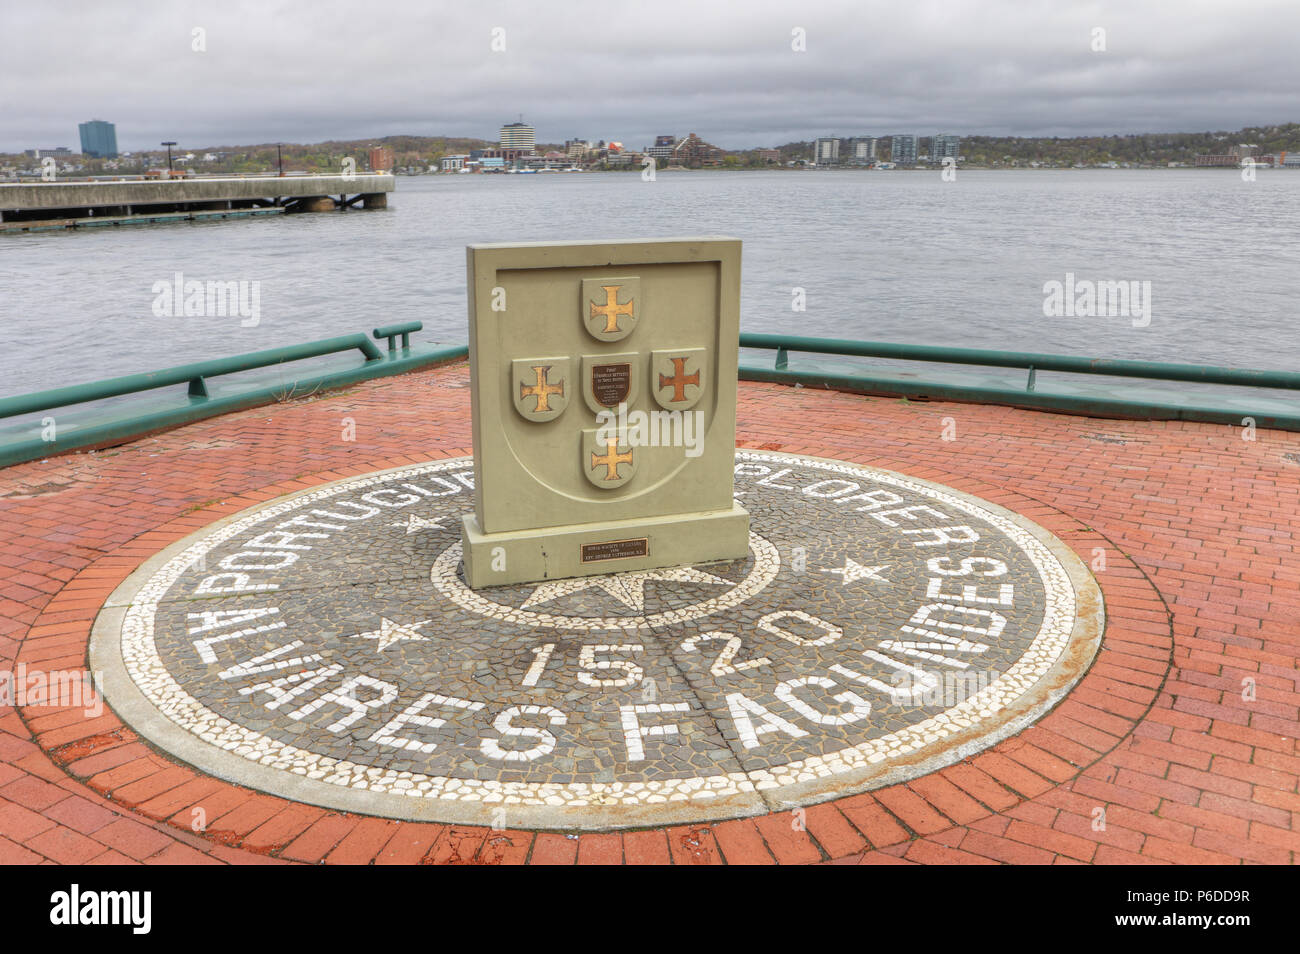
[(96, 427), (102, 426), (947, 387)]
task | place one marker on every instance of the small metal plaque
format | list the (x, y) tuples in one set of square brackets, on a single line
[(611, 383), (615, 550)]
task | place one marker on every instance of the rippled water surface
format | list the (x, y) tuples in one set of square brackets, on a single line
[(888, 256)]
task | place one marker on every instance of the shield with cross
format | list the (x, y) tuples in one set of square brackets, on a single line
[(608, 460), (540, 387), (678, 377), (611, 307)]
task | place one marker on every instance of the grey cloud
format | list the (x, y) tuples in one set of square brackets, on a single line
[(310, 71)]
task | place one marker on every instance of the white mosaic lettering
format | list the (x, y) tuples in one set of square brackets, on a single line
[(264, 663), (241, 560), (1005, 597), (876, 498), (860, 707), (380, 497), (302, 682), (751, 470), (542, 656), (632, 673), (283, 539), (968, 564), (770, 480), (942, 535), (546, 741), (411, 715), (304, 522), (842, 487), (635, 734), (366, 512), (768, 624), (210, 585), (725, 664), (443, 482), (907, 512), (204, 646), (751, 736), (921, 680), (345, 696)]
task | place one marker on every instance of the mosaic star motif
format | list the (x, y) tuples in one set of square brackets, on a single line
[(415, 523), (627, 588), (852, 571), (390, 633)]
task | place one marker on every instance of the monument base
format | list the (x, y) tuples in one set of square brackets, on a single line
[(617, 546)]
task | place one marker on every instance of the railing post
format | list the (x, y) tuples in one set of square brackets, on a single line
[(391, 332), (782, 359), (198, 387), (1029, 385)]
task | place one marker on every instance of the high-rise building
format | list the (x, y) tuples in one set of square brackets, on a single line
[(902, 150), (827, 152), (519, 136), (860, 149), (98, 139), (945, 147)]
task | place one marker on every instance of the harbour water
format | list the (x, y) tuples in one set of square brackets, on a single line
[(888, 256)]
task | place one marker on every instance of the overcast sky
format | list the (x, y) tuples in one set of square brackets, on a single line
[(310, 71)]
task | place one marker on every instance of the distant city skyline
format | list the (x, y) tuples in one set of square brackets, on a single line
[(212, 74)]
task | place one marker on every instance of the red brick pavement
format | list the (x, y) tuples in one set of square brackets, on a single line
[(1182, 735)]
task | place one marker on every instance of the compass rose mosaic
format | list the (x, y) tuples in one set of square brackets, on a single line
[(325, 647)]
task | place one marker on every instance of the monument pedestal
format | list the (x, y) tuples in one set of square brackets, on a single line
[(603, 381), (616, 546)]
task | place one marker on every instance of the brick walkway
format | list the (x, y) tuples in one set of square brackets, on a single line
[(1183, 732)]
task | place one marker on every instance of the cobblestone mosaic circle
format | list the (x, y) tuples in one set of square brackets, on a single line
[(324, 647)]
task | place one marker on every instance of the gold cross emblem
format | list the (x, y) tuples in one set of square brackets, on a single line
[(679, 380), (611, 311), (611, 460), (542, 389)]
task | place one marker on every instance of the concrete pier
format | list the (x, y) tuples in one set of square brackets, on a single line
[(29, 205)]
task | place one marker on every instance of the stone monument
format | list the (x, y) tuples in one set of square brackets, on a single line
[(604, 408)]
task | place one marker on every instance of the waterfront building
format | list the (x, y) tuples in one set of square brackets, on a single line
[(1232, 158), (695, 152), (945, 147), (663, 147), (98, 139), (454, 163), (860, 150), (902, 150), (518, 136), (381, 159), (827, 152), (768, 155)]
